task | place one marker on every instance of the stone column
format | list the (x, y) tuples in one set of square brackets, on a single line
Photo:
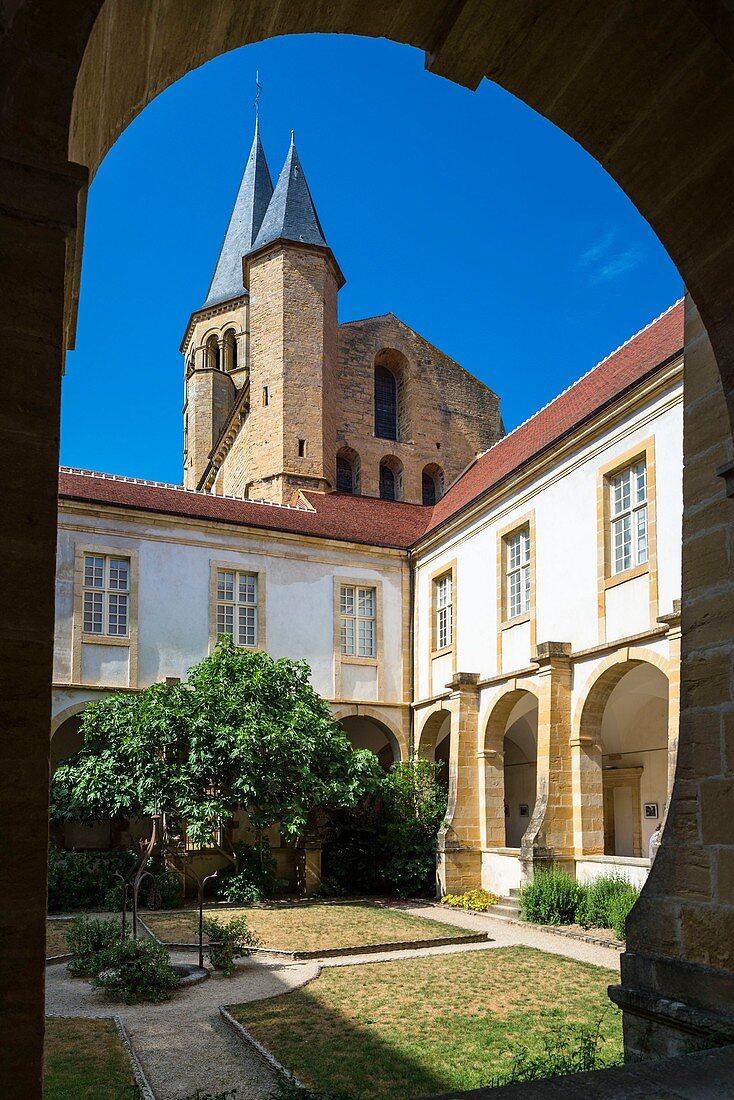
[(459, 848), (38, 211), (549, 836), (677, 988)]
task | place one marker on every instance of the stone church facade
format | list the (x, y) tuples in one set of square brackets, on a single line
[(508, 604)]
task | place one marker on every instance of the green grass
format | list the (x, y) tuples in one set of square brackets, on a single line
[(417, 1027), (321, 926), (85, 1059)]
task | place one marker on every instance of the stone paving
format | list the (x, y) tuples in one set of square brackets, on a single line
[(184, 1044)]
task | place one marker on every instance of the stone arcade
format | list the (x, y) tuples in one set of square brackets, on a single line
[(444, 610)]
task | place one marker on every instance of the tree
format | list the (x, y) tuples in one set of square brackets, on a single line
[(244, 731)]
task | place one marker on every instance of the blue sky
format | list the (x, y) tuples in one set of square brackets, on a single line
[(472, 218)]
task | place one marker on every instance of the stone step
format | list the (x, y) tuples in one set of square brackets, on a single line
[(514, 893), (506, 907)]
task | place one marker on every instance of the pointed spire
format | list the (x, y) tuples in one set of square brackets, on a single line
[(249, 209), (291, 215)]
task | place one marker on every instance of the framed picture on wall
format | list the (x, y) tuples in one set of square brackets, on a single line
[(651, 809), (524, 809)]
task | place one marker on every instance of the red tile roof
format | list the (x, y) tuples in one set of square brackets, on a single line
[(334, 516), (375, 522), (624, 368)]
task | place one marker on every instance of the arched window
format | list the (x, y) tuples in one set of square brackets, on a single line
[(387, 482), (391, 478), (230, 343), (212, 353), (386, 403), (432, 484), (344, 475)]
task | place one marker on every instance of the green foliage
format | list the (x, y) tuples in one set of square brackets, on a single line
[(228, 1094), (137, 970), (552, 897), (388, 843), (244, 731), (288, 1090), (82, 880), (166, 892), (89, 942), (254, 879), (572, 1048), (477, 900), (229, 940), (607, 903)]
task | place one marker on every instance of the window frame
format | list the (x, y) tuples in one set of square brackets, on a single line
[(81, 638), (356, 618), (523, 570), (438, 648), (237, 602), (396, 409), (107, 591), (631, 512), (240, 567)]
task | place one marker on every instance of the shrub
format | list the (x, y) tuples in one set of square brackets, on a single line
[(137, 970), (255, 879), (230, 940), (82, 880), (477, 900), (571, 1048), (552, 897), (388, 843), (89, 942), (607, 903)]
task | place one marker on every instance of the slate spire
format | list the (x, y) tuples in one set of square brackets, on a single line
[(256, 190), (291, 214)]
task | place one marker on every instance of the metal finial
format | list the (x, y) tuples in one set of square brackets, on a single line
[(293, 137), (258, 89)]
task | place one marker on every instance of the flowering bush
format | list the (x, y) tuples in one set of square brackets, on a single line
[(477, 900)]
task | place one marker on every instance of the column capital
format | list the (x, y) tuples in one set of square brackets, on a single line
[(549, 651), (461, 681)]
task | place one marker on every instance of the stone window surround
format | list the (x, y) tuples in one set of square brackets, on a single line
[(238, 565), (341, 659), (448, 567), (78, 637), (504, 622), (643, 451)]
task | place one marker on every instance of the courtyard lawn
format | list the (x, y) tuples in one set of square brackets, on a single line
[(56, 938), (421, 1026), (85, 1059), (320, 926)]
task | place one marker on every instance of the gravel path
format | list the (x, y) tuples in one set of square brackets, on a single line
[(184, 1044)]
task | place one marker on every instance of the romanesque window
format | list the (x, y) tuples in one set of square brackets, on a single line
[(628, 517), (432, 484), (387, 482), (357, 608), (212, 353), (443, 605), (106, 595), (237, 606), (230, 350), (344, 475), (386, 404), (517, 573)]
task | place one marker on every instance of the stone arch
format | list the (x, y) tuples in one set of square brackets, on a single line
[(608, 777), (432, 483), (435, 727), (618, 102), (65, 741), (71, 711), (365, 727), (391, 478), (348, 471), (500, 827)]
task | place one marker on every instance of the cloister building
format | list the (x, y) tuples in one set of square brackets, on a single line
[(508, 604)]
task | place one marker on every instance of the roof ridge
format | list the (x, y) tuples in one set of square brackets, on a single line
[(581, 377), (79, 472)]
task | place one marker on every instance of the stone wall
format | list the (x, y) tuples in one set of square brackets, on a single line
[(447, 415)]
